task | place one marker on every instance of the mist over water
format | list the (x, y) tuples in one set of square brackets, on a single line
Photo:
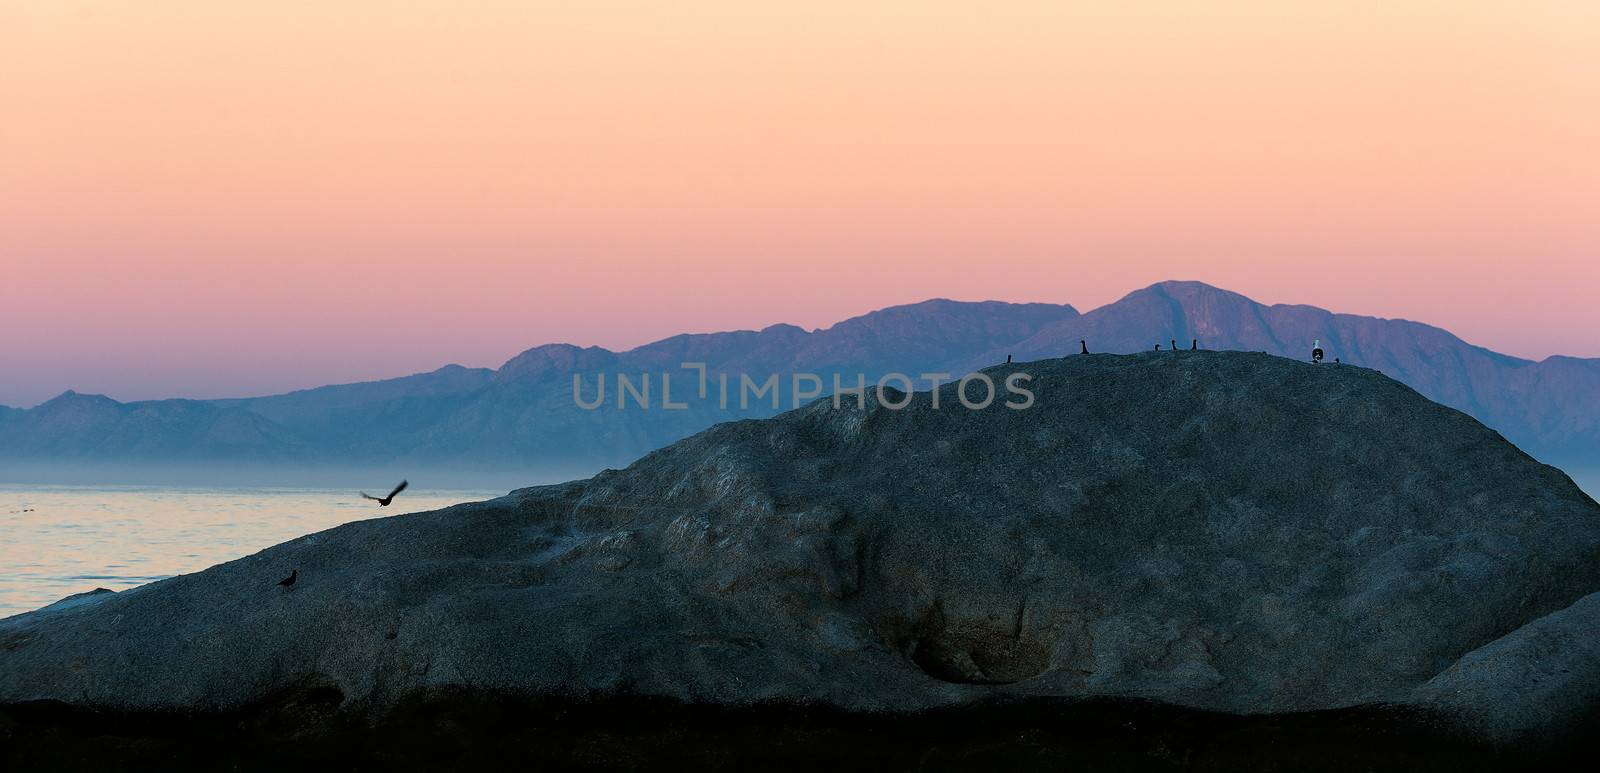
[(58, 540), (268, 475)]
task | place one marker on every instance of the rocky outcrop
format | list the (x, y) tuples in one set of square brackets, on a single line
[(1550, 408), (1225, 531)]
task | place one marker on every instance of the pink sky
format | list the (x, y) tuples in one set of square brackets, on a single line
[(207, 199)]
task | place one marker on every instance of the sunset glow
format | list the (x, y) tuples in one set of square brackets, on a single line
[(211, 199)]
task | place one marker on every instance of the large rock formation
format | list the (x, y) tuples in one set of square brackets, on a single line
[(1219, 530)]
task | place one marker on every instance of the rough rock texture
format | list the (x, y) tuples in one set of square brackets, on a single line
[(1219, 530), (1529, 683)]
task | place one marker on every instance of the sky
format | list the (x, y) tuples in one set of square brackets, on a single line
[(211, 199)]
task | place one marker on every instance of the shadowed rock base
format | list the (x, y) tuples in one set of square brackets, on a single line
[(307, 729)]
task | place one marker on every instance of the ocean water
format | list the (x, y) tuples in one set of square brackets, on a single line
[(59, 540)]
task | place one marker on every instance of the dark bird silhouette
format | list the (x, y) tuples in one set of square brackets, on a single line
[(384, 501), (1174, 344), (1084, 345), (1008, 359), (288, 582), (1194, 344), (1158, 347)]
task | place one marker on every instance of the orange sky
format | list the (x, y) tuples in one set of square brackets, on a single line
[(203, 198)]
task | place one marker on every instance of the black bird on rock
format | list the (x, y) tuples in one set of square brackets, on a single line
[(1084, 346), (1008, 359), (1174, 344), (1194, 344), (288, 582), (384, 501)]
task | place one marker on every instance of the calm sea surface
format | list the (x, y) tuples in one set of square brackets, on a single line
[(59, 540)]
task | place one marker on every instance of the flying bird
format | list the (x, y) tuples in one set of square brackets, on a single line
[(288, 582), (384, 501)]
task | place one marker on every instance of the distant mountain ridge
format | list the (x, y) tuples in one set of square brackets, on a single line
[(522, 415), (1550, 407)]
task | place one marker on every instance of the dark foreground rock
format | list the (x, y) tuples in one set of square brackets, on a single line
[(470, 730), (1220, 531)]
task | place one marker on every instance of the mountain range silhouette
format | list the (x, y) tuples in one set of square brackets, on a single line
[(522, 414)]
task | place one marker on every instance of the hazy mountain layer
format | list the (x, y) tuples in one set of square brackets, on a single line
[(522, 416)]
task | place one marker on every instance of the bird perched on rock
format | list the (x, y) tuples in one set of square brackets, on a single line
[(1174, 344), (1008, 359), (1194, 344), (288, 582), (384, 501), (1083, 346)]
